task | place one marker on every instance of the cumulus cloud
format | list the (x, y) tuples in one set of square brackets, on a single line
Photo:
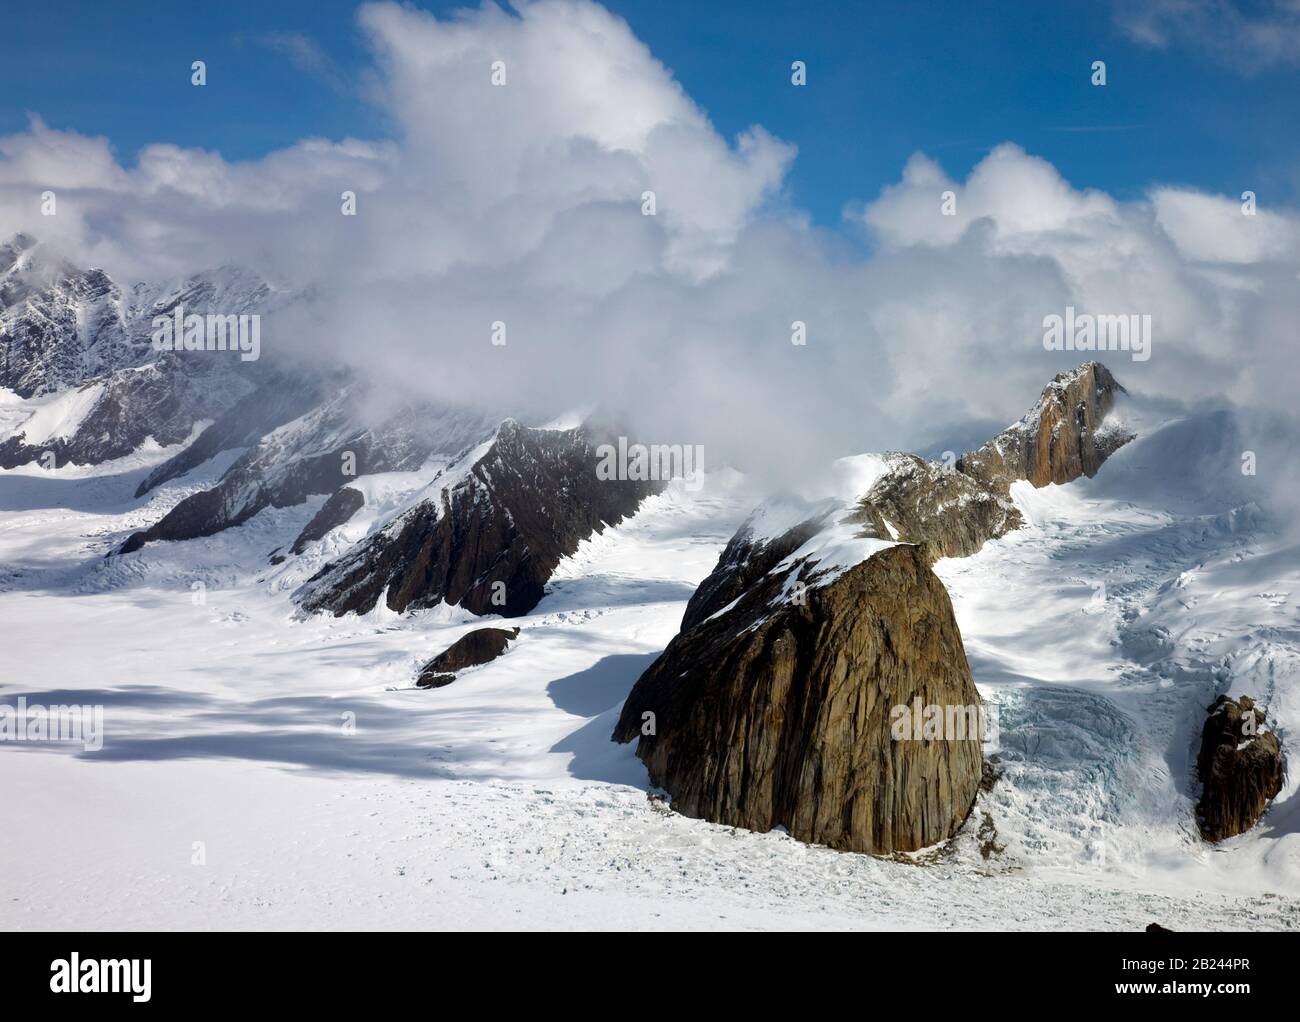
[(522, 204)]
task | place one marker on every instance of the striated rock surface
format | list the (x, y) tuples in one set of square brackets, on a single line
[(481, 646), (1061, 438), (777, 712), (1240, 767), (492, 529)]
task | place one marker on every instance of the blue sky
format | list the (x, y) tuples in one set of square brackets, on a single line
[(885, 80)]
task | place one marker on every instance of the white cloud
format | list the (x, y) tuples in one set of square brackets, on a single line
[(1263, 36), (523, 204)]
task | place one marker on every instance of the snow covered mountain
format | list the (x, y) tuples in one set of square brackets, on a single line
[(317, 452), (81, 381), (488, 532), (1099, 617)]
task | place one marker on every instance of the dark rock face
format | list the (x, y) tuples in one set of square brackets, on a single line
[(1061, 438), (494, 528), (128, 408), (745, 561), (1240, 766), (333, 513), (481, 646), (778, 712)]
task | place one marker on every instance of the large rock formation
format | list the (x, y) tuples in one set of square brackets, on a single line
[(1240, 766), (1062, 437), (773, 704), (779, 711), (492, 529)]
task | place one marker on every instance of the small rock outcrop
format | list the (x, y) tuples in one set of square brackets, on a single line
[(336, 511), (1240, 766), (779, 711), (481, 646)]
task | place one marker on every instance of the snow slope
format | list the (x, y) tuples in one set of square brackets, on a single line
[(326, 791)]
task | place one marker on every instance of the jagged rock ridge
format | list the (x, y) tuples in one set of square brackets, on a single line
[(1064, 436), (79, 348), (492, 530), (318, 452)]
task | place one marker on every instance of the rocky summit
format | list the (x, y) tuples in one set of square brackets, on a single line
[(1064, 436), (774, 704), (779, 712)]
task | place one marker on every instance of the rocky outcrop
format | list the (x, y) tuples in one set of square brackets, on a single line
[(1240, 767), (336, 511), (481, 646), (779, 711), (944, 511), (493, 528), (1062, 437)]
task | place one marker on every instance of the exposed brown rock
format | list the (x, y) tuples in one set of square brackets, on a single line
[(942, 510), (1060, 439), (777, 713), (1240, 766), (480, 646)]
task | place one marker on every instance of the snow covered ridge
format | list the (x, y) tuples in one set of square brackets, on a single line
[(488, 531), (66, 330), (328, 447), (211, 332)]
